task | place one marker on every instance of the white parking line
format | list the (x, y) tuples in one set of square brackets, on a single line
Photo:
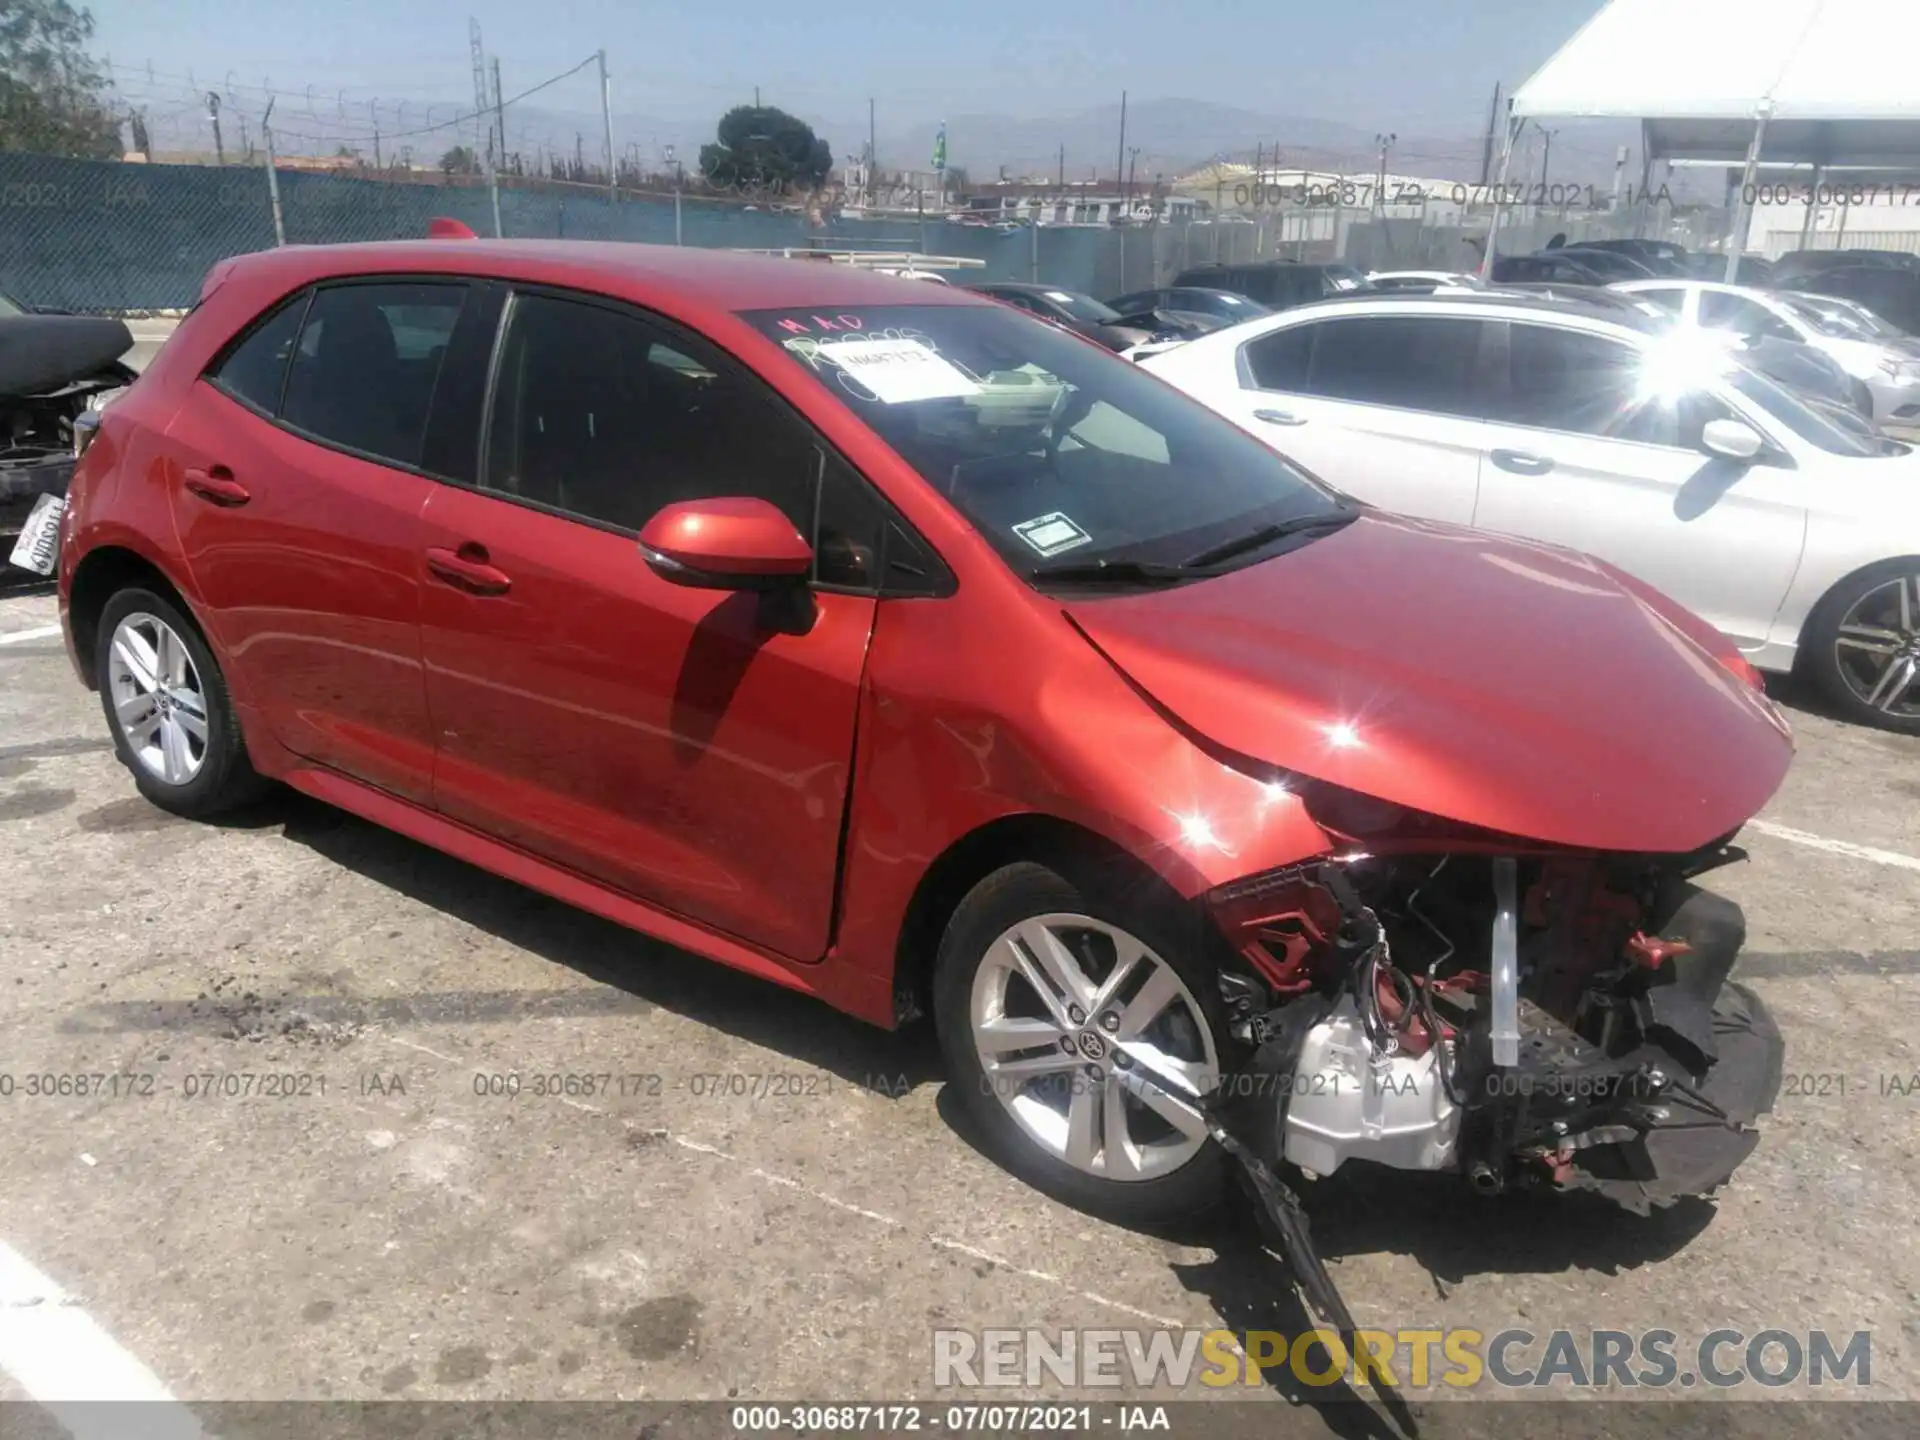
[(21, 637), (56, 1353), (1834, 847)]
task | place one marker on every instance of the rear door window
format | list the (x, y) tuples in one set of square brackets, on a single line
[(369, 357)]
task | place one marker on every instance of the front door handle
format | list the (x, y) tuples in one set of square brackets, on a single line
[(468, 569), (1522, 463), (217, 486), (1279, 417)]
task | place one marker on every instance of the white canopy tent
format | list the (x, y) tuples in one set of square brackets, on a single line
[(1818, 83)]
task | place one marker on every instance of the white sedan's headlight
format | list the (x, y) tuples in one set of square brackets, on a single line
[(1899, 367)]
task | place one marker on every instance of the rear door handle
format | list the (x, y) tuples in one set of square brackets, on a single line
[(1279, 417), (467, 569), (1521, 463), (217, 486)]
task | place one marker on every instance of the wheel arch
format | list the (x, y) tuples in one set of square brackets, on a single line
[(1817, 612), (101, 574), (1044, 839)]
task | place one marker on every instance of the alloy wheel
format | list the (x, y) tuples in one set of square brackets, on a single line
[(158, 698), (1877, 647), (1090, 1041)]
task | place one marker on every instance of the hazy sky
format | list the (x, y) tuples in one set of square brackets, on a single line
[(1416, 66)]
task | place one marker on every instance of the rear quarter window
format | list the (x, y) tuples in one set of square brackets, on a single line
[(254, 369)]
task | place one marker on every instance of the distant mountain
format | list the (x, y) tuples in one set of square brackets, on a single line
[(1172, 135)]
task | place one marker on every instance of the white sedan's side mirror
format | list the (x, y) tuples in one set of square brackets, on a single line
[(1731, 438)]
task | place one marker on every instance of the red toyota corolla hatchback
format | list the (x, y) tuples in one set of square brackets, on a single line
[(906, 651)]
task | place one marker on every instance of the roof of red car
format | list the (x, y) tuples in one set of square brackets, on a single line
[(723, 279)]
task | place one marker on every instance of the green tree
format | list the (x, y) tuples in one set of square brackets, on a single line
[(764, 147), (52, 94), (458, 161)]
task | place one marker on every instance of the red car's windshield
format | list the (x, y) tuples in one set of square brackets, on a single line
[(1049, 445)]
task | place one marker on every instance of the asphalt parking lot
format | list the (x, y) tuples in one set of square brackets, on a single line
[(392, 1229)]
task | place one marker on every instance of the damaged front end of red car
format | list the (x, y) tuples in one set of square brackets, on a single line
[(1500, 963), (1433, 998), (1522, 1015)]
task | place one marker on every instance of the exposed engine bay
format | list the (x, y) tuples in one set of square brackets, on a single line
[(1547, 1020)]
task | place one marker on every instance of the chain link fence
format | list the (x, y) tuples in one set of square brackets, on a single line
[(118, 237)]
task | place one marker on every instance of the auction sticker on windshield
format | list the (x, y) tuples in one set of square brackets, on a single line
[(898, 371), (1051, 533)]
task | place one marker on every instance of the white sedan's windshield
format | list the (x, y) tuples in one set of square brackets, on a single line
[(1808, 423), (1049, 445)]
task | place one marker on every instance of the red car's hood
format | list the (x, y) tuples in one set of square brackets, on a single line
[(1519, 687)]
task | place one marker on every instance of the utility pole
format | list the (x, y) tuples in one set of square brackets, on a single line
[(1133, 158), (1619, 176), (1062, 181), (606, 122), (756, 97), (1384, 250), (483, 105), (678, 176), (873, 153), (373, 109), (496, 150), (213, 114), (1120, 160), (1385, 142), (273, 180), (1546, 154), (1486, 150), (579, 155)]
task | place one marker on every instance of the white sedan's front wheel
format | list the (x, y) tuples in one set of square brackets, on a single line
[(1862, 646)]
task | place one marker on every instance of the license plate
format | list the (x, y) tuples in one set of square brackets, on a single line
[(39, 543)]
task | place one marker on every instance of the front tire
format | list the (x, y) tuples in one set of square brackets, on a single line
[(1059, 1002), (168, 709), (1862, 647)]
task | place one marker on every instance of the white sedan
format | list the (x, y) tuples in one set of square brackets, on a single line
[(1650, 448), (1882, 359)]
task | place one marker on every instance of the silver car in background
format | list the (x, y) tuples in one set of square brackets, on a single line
[(1876, 354)]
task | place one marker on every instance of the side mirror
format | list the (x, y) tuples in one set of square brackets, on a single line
[(1732, 439), (730, 543)]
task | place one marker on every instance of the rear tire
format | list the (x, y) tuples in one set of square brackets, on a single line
[(1049, 1123), (167, 708)]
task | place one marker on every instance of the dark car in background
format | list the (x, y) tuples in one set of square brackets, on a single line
[(1662, 257), (1609, 265), (1276, 284), (1752, 269), (1796, 264), (1890, 292), (1549, 267), (1189, 302), (1079, 313), (53, 370)]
